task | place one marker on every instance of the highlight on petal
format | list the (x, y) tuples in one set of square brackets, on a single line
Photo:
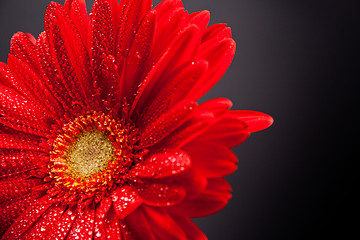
[(125, 200), (255, 121), (162, 164), (101, 136)]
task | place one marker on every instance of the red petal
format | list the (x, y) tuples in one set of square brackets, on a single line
[(201, 19), (132, 12), (163, 226), (139, 53), (211, 160), (68, 51), (161, 193), (24, 49), (30, 85), (229, 131), (139, 226), (13, 189), (14, 161), (25, 221), (176, 87), (45, 226), (23, 142), (157, 128), (83, 227), (191, 230), (50, 73), (193, 182), (195, 126), (181, 51), (177, 18), (112, 226), (101, 31), (78, 13), (211, 201), (11, 210), (164, 8), (125, 201), (102, 41), (100, 214), (103, 208), (162, 164), (218, 106), (6, 77), (62, 227), (255, 121), (19, 113), (219, 54), (216, 32)]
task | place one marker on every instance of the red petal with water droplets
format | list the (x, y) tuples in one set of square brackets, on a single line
[(112, 226), (131, 13), (30, 84), (63, 225), (19, 113), (23, 142), (214, 198), (12, 210), (162, 164), (6, 77), (25, 221), (13, 189), (83, 227), (161, 193), (78, 13), (44, 226), (24, 49), (176, 87), (157, 128), (138, 55), (103, 208), (50, 73), (14, 161), (212, 160), (125, 200), (68, 51), (181, 51), (100, 214), (101, 31), (177, 19)]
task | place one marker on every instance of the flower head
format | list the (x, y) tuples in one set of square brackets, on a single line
[(100, 133)]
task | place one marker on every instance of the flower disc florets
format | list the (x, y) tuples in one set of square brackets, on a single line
[(92, 152)]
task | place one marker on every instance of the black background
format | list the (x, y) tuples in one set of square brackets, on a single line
[(297, 61)]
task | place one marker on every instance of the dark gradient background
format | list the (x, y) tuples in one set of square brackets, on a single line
[(297, 61)]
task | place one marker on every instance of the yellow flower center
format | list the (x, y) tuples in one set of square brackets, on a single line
[(90, 154)]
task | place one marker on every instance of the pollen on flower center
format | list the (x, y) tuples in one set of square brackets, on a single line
[(90, 153)]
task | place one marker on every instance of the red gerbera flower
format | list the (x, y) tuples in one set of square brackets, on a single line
[(100, 133)]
